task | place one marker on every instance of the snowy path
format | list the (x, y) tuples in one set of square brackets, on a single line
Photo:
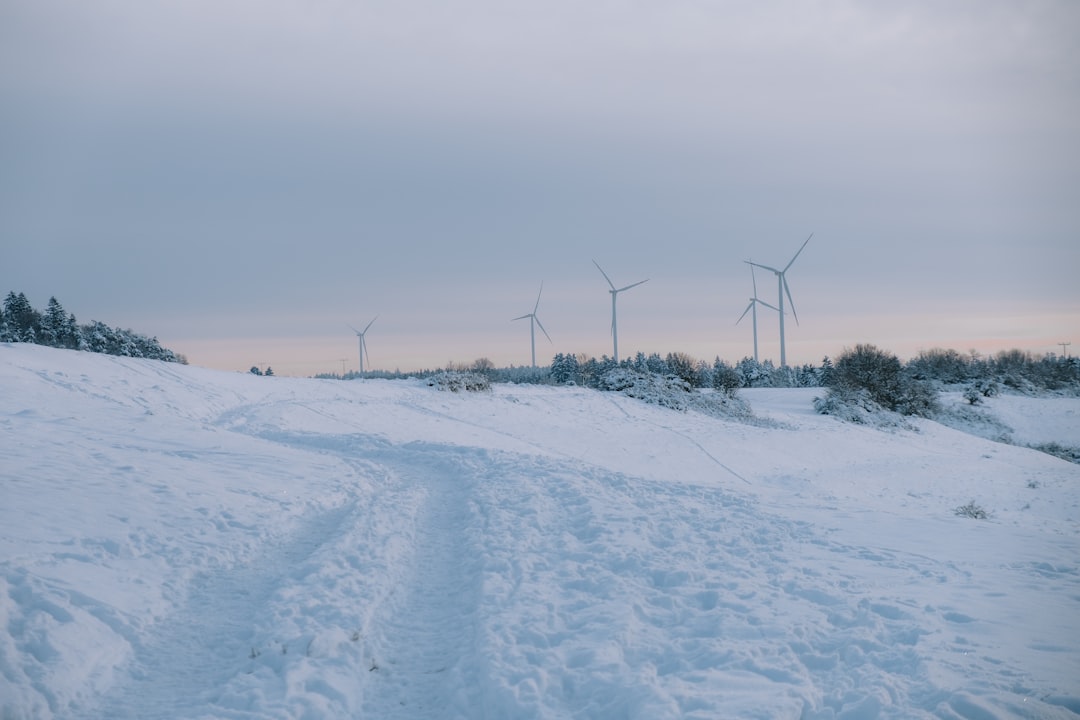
[(423, 637)]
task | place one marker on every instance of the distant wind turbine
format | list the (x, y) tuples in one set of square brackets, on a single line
[(782, 289), (533, 322), (363, 343), (754, 302), (614, 296)]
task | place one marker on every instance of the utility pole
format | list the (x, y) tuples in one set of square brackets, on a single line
[(1064, 350), (343, 361)]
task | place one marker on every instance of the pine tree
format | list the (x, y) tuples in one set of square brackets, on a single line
[(24, 321), (825, 376), (656, 365), (73, 334), (54, 324)]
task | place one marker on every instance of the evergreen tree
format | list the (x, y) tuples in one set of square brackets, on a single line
[(98, 337), (590, 373), (23, 320), (656, 365), (565, 369), (750, 371), (54, 324), (825, 375)]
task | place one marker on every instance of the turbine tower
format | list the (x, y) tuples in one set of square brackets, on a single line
[(363, 342), (614, 296), (782, 289), (533, 322), (754, 302)]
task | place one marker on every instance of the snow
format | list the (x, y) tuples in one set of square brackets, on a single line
[(177, 542)]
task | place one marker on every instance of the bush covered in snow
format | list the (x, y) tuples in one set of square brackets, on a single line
[(1017, 370), (975, 421), (973, 511), (1065, 452), (855, 405), (672, 392), (457, 381), (866, 380)]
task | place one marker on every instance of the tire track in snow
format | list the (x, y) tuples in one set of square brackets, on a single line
[(423, 637)]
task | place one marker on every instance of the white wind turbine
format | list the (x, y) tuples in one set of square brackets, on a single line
[(363, 342), (754, 302), (782, 288), (614, 295), (533, 322)]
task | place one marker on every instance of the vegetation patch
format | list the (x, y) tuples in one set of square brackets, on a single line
[(673, 392), (1065, 452), (973, 511), (871, 386), (974, 421), (456, 381), (20, 322)]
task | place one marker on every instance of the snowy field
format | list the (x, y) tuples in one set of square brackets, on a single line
[(177, 542)]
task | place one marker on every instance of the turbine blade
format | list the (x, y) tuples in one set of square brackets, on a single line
[(537, 306), (522, 317), (542, 329), (371, 323), (352, 328), (604, 274), (765, 267), (752, 278), (790, 301), (744, 312), (762, 302), (800, 250), (363, 342), (630, 286)]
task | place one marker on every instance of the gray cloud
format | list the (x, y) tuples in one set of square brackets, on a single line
[(169, 162)]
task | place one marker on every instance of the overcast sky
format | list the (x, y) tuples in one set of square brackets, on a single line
[(243, 179)]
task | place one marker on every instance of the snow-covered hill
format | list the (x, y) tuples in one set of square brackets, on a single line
[(184, 543)]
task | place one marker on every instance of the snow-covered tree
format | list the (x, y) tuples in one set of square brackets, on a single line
[(565, 369), (683, 367), (825, 375), (724, 377), (24, 321), (54, 325)]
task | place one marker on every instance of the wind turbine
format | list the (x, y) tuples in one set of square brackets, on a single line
[(534, 321), (614, 295), (754, 302), (363, 343), (782, 288)]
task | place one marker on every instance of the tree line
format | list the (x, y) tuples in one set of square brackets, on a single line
[(56, 327), (1015, 369)]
